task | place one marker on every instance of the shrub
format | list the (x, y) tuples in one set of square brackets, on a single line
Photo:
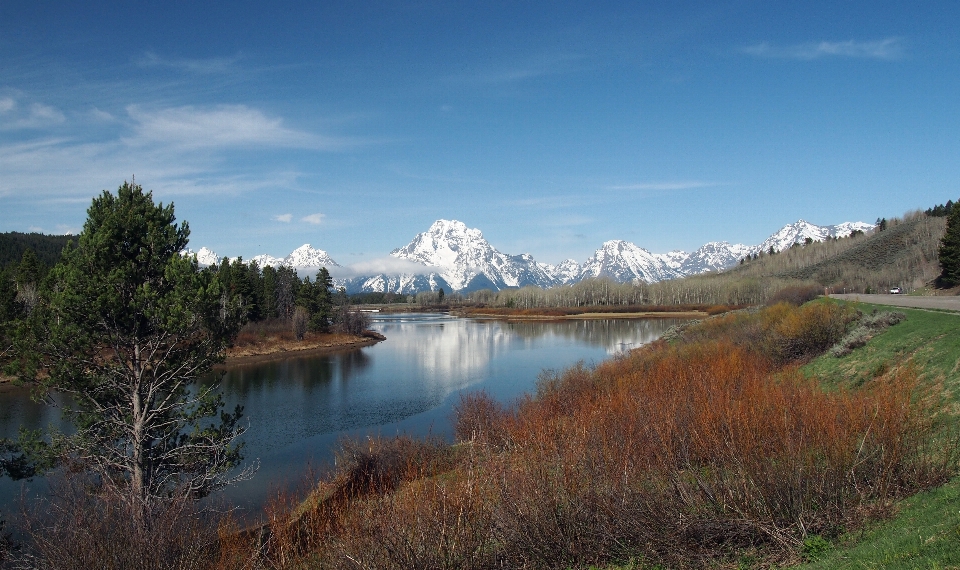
[(81, 526), (866, 328), (300, 322), (796, 295), (351, 321)]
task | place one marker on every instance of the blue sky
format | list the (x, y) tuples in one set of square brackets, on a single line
[(551, 126)]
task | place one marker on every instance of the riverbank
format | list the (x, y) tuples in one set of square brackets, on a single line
[(278, 348)]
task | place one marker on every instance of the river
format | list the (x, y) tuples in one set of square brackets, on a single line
[(297, 409)]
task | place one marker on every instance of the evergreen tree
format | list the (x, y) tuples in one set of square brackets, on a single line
[(269, 292), (317, 299), (950, 251), (125, 330)]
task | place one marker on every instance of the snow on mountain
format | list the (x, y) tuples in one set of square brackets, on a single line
[(800, 230), (400, 284), (623, 261), (714, 256), (205, 257), (465, 259), (264, 260), (565, 272), (673, 259), (305, 257)]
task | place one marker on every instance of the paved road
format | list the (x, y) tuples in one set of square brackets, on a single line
[(948, 303)]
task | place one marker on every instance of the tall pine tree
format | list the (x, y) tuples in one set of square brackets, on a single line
[(950, 251), (126, 329)]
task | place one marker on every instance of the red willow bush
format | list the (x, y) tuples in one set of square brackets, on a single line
[(677, 453)]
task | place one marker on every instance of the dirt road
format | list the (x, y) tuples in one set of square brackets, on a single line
[(948, 303)]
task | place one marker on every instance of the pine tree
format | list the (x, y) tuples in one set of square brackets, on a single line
[(126, 329), (950, 251)]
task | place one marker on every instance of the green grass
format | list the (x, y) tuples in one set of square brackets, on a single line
[(925, 529), (929, 340), (925, 533)]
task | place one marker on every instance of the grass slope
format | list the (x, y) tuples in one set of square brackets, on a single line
[(925, 532), (927, 340)]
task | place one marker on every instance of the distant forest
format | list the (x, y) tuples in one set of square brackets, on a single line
[(47, 248)]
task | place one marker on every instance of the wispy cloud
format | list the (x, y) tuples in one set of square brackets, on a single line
[(285, 218), (313, 218), (387, 265), (223, 126), (36, 115), (199, 66), (664, 186), (885, 49), (512, 72)]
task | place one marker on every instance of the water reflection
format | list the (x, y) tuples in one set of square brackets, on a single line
[(297, 408)]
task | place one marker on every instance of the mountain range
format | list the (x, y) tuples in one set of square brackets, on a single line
[(457, 258)]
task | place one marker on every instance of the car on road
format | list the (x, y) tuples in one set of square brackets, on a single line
[(895, 291)]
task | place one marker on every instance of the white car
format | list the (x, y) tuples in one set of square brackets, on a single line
[(895, 291)]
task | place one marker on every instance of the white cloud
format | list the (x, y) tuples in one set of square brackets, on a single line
[(530, 68), (45, 114), (283, 218), (222, 126), (313, 218), (201, 66), (98, 115), (886, 49), (388, 265), (37, 115)]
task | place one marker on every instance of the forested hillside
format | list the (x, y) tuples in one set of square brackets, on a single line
[(47, 248)]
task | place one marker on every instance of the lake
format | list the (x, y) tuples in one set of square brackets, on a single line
[(298, 408)]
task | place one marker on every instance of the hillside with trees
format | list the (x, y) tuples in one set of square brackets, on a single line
[(901, 252), (47, 248)]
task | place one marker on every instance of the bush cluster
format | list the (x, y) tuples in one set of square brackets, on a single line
[(865, 329)]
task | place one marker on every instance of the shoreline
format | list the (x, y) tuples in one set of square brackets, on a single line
[(256, 354)]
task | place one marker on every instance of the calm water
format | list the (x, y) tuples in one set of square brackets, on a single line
[(297, 409)]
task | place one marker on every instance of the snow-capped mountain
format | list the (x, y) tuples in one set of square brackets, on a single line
[(205, 257), (304, 257), (715, 256), (623, 261), (457, 258), (400, 284), (567, 271), (800, 230), (466, 261)]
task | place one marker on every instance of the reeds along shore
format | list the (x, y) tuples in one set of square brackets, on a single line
[(699, 450)]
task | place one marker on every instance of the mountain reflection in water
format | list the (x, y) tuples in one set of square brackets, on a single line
[(296, 409)]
